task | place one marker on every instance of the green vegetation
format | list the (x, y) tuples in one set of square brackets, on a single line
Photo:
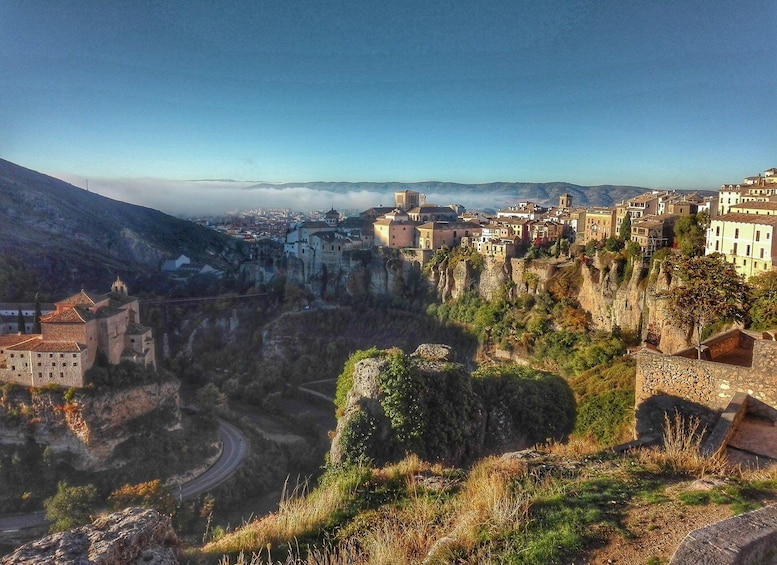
[(690, 233), (71, 507), (710, 290), (605, 402), (557, 505), (345, 379), (763, 301)]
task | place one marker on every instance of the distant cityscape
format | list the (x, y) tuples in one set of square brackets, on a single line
[(740, 222)]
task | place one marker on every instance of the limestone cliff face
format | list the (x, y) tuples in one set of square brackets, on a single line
[(632, 304), (129, 537), (91, 425)]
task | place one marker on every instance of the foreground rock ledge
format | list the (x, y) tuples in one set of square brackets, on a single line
[(134, 535)]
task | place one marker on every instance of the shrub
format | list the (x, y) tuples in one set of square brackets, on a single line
[(345, 379)]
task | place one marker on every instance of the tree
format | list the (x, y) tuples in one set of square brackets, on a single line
[(152, 494), (20, 323), (71, 507), (36, 329), (625, 231), (763, 309), (710, 290), (690, 233)]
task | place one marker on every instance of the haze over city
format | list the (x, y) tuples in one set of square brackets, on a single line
[(140, 100)]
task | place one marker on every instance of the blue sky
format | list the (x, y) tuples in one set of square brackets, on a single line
[(659, 94)]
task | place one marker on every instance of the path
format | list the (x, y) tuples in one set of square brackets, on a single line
[(232, 455)]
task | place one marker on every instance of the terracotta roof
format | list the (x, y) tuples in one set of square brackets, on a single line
[(9, 340), (83, 298), (748, 218), (68, 316), (42, 346), (755, 206)]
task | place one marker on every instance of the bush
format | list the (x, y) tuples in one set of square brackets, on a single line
[(538, 405), (345, 379)]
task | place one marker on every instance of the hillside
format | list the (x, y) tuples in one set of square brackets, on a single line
[(66, 237)]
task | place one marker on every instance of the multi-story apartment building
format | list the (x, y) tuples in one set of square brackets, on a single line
[(752, 189), (747, 240), (599, 225)]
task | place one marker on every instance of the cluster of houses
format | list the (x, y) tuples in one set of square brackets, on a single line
[(742, 225)]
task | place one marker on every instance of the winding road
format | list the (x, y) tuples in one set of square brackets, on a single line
[(235, 448)]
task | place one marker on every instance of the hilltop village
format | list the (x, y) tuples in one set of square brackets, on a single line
[(740, 222)]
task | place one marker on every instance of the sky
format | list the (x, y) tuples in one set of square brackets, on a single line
[(141, 97)]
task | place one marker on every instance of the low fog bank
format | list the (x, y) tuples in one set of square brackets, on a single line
[(213, 197)]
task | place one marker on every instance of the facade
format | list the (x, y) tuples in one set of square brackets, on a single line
[(599, 225), (407, 200), (747, 240), (434, 235), (394, 230), (9, 316), (653, 232), (71, 336)]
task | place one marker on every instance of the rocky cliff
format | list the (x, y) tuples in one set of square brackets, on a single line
[(612, 293), (129, 537), (87, 425)]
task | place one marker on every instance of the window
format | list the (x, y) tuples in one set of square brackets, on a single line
[(758, 235), (748, 251), (736, 233), (761, 255), (717, 230), (734, 249)]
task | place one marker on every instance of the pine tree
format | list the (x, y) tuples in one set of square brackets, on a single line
[(36, 323), (20, 322), (625, 231)]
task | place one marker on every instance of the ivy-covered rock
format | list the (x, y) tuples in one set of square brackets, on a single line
[(424, 404)]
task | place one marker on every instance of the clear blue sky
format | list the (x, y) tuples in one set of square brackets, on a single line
[(653, 93)]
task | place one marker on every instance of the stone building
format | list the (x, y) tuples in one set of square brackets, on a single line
[(71, 336)]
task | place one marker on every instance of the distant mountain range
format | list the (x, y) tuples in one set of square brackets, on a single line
[(602, 195), (60, 238)]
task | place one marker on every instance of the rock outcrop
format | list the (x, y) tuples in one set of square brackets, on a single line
[(88, 425), (441, 409), (428, 405), (130, 537)]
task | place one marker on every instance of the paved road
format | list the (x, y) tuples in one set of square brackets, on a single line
[(235, 450)]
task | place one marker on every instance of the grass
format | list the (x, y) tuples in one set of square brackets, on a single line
[(553, 505)]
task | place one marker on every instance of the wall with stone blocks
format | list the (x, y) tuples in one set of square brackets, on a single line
[(707, 382), (747, 539)]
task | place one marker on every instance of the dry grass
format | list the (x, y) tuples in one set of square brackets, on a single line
[(299, 514), (681, 451)]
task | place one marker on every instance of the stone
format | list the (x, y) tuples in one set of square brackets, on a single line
[(128, 537)]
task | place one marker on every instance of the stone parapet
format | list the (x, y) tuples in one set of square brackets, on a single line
[(747, 539)]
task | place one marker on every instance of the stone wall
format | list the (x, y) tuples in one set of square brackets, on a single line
[(747, 539), (707, 383)]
